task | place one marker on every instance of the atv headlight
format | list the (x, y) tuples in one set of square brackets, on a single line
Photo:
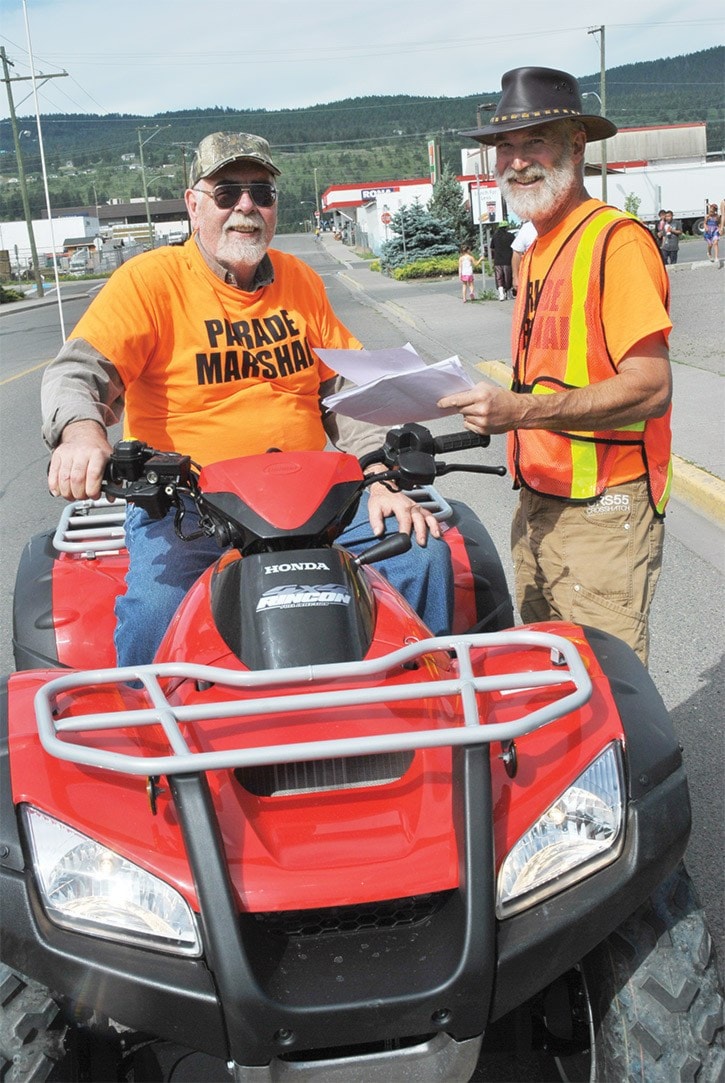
[(90, 889), (579, 833)]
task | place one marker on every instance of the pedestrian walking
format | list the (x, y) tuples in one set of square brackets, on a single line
[(502, 254), (466, 263), (671, 238), (713, 229)]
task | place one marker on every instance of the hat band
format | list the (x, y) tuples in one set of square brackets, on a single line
[(534, 114)]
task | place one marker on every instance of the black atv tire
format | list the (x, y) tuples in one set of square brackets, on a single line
[(31, 1029), (655, 1004)]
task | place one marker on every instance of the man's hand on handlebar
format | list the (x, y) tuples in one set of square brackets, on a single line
[(77, 463), (412, 518)]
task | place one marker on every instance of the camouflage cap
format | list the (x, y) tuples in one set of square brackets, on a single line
[(222, 148)]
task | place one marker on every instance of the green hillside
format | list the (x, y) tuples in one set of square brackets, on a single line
[(371, 138)]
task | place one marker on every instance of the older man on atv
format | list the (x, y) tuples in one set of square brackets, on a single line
[(209, 349)]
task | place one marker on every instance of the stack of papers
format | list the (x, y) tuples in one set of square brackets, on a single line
[(393, 386)]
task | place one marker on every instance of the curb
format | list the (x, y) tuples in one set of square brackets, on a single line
[(704, 492)]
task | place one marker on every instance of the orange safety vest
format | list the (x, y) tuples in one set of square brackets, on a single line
[(577, 466)]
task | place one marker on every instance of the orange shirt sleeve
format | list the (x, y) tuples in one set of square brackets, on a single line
[(635, 293)]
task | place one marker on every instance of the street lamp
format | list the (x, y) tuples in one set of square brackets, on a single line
[(141, 145)]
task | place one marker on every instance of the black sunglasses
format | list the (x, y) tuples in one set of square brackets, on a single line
[(227, 196)]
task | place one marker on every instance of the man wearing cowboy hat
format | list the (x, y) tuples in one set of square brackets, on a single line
[(588, 412)]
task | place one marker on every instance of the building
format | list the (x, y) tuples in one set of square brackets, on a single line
[(362, 213), (110, 227), (166, 215)]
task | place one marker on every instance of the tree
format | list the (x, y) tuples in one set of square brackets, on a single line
[(631, 204), (447, 205), (418, 235)]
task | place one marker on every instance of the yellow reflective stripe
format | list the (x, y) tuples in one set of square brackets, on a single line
[(661, 503), (584, 465), (583, 470), (577, 372), (636, 426)]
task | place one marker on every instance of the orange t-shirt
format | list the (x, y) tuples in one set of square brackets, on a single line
[(634, 299), (210, 370)]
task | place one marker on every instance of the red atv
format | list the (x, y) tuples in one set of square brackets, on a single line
[(312, 842)]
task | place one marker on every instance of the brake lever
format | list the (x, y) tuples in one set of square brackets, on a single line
[(472, 468)]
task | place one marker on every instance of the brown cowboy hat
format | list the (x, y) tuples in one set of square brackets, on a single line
[(533, 96)]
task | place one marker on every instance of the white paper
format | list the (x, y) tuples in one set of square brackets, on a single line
[(400, 395), (362, 366)]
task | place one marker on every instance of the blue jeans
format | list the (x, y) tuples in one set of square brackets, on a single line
[(162, 568)]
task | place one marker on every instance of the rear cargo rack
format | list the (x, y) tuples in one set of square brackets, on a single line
[(96, 527), (566, 674), (91, 527)]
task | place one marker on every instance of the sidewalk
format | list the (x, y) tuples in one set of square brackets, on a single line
[(479, 334)]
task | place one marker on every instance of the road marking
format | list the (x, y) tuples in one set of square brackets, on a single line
[(18, 375)]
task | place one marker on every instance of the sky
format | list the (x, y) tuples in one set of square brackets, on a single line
[(151, 56)]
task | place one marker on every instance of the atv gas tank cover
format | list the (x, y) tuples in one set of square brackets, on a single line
[(293, 608)]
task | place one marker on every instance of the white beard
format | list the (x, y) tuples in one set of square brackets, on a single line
[(244, 248), (540, 202)]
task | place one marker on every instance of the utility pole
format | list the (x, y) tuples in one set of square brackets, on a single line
[(602, 102), (317, 199), (141, 144), (184, 148), (8, 79), (488, 107)]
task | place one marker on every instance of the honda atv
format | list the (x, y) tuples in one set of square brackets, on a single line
[(311, 841)]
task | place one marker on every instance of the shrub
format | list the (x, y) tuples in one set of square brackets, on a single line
[(433, 267), (8, 294), (416, 236)]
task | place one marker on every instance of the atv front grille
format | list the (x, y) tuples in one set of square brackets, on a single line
[(317, 776), (333, 920)]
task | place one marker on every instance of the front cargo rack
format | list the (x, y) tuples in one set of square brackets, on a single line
[(566, 673)]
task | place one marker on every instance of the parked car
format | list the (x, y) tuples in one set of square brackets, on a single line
[(79, 262)]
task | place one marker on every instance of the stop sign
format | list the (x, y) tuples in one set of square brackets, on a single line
[(386, 218)]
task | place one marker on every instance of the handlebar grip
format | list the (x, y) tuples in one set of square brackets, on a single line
[(459, 441)]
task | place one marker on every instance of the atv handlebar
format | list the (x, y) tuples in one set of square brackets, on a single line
[(409, 453), (459, 441), (154, 479)]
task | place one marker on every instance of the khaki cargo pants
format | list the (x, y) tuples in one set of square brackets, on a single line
[(596, 563)]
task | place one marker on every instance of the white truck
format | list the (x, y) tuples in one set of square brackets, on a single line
[(684, 189)]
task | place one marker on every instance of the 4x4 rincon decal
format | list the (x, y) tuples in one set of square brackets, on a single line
[(293, 596)]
